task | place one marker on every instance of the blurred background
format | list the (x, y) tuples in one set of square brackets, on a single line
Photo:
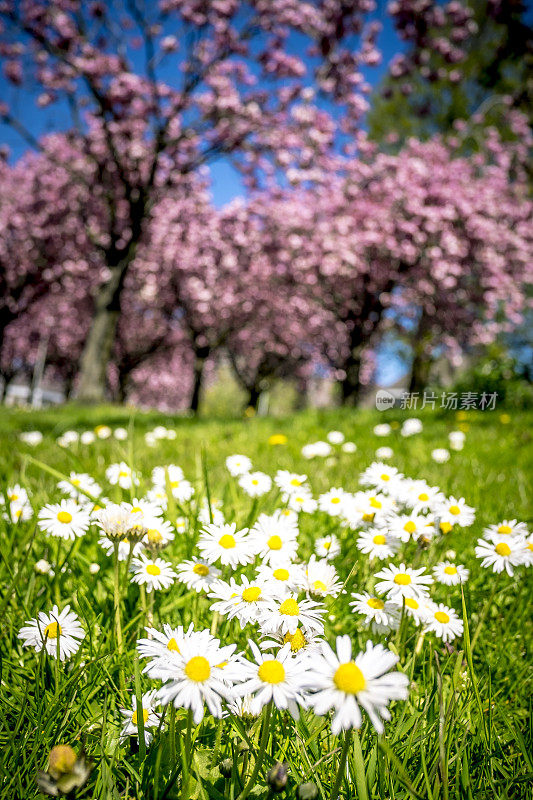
[(253, 207)]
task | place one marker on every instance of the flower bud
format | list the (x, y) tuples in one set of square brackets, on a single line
[(277, 777), (307, 791), (226, 767)]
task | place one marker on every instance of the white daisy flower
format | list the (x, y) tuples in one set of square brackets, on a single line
[(444, 623), (149, 702), (238, 465), (255, 484), (403, 581), (159, 644), (244, 601), (384, 453), (227, 544), (15, 494), (144, 508), (456, 439), (43, 567), (285, 616), (67, 439), (509, 527), (440, 455), (182, 490), (158, 497), (368, 507), (456, 512), (154, 573), (501, 554), (77, 484), (349, 447), (321, 578), (195, 676), (527, 553), (197, 574), (377, 543), (425, 498), (32, 438), (117, 521), (103, 431), (182, 524), (120, 434), (281, 680), (121, 475), (125, 547), (301, 501), (407, 526), (327, 547), (290, 482), (58, 629), (450, 574), (274, 538), (159, 532), (281, 578), (382, 615), (18, 512), (335, 437), (344, 684), (87, 437), (303, 643), (379, 475), (316, 450), (417, 607), (332, 502), (216, 516), (66, 519), (383, 429), (411, 426)]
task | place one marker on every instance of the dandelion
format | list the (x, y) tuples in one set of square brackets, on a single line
[(65, 520), (57, 631)]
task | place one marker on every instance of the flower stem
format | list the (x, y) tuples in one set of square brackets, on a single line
[(360, 774), (342, 764), (116, 601), (261, 753), (188, 758)]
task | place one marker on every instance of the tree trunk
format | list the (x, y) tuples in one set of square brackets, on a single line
[(99, 344), (200, 357), (253, 398), (351, 384), (420, 370)]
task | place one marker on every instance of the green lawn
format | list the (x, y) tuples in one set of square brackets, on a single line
[(465, 730)]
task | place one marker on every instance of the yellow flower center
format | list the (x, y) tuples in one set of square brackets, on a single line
[(275, 542), (530, 545), (154, 536), (271, 671), (289, 607), (374, 503), (123, 474), (198, 669), (446, 527), (174, 484), (327, 545), (503, 549), (18, 513), (153, 569), (368, 517), (455, 510), (375, 602), (173, 645), (281, 574), (402, 579), (296, 482), (64, 517), (251, 594), (335, 500), (410, 602), (384, 476), (348, 678), (254, 481), (450, 570), (297, 640), (75, 481), (319, 586), (423, 496), (441, 616), (409, 527), (504, 529), (12, 497), (145, 716), (53, 630), (379, 539), (227, 541), (136, 510), (201, 569)]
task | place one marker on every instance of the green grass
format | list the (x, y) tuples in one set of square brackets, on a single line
[(464, 732)]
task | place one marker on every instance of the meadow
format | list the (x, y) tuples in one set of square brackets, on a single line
[(462, 728)]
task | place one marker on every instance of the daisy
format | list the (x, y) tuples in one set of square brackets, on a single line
[(215, 516), (151, 719), (366, 507), (377, 543), (289, 482), (125, 547), (16, 494), (349, 447), (281, 680), (67, 439), (425, 498), (158, 497), (238, 465), (509, 527), (456, 512), (66, 520), (194, 677), (287, 615), (159, 532), (407, 526), (226, 544), (18, 512), (344, 684), (379, 475), (255, 484), (197, 574), (335, 437), (302, 500), (244, 601), (182, 490), (103, 431), (501, 554), (456, 439), (444, 623), (416, 607), (527, 553), (332, 502), (87, 437), (440, 455), (403, 581), (144, 508), (32, 438), (160, 643), (78, 484), (450, 574), (117, 521), (274, 538), (182, 524), (154, 573), (382, 615), (321, 578), (317, 450), (383, 429), (301, 642), (282, 578), (121, 475), (54, 631), (384, 453), (328, 547), (411, 426), (120, 434)]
